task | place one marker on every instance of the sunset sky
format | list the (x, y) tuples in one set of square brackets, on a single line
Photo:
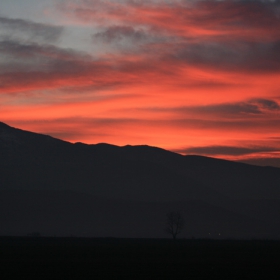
[(191, 76)]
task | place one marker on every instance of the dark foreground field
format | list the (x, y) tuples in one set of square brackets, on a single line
[(82, 258)]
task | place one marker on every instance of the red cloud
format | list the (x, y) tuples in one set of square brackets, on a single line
[(177, 73), (253, 20)]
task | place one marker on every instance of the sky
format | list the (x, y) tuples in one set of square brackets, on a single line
[(191, 76)]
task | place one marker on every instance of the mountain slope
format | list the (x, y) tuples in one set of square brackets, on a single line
[(214, 194), (139, 172)]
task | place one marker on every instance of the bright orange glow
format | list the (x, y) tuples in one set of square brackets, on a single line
[(191, 77)]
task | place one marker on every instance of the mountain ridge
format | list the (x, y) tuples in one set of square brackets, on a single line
[(137, 148), (149, 164), (127, 179)]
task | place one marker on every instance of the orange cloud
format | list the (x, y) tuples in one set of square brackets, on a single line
[(192, 77)]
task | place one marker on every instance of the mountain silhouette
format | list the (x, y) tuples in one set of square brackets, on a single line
[(58, 188)]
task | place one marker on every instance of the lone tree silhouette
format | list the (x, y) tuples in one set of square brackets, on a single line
[(174, 223)]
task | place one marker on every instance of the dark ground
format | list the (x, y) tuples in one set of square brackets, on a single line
[(85, 258)]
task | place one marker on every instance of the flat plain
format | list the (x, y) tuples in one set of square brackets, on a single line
[(114, 258)]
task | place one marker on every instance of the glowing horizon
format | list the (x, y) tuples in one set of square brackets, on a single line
[(194, 77)]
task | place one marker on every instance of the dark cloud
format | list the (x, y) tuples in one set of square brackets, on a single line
[(249, 114), (32, 66), (266, 104), (264, 161), (242, 56), (227, 35), (26, 55), (226, 150), (33, 62), (129, 39), (118, 33), (238, 125), (46, 32), (250, 107), (244, 16), (253, 106), (246, 13), (27, 50)]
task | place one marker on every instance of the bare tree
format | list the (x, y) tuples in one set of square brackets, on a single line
[(174, 223)]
